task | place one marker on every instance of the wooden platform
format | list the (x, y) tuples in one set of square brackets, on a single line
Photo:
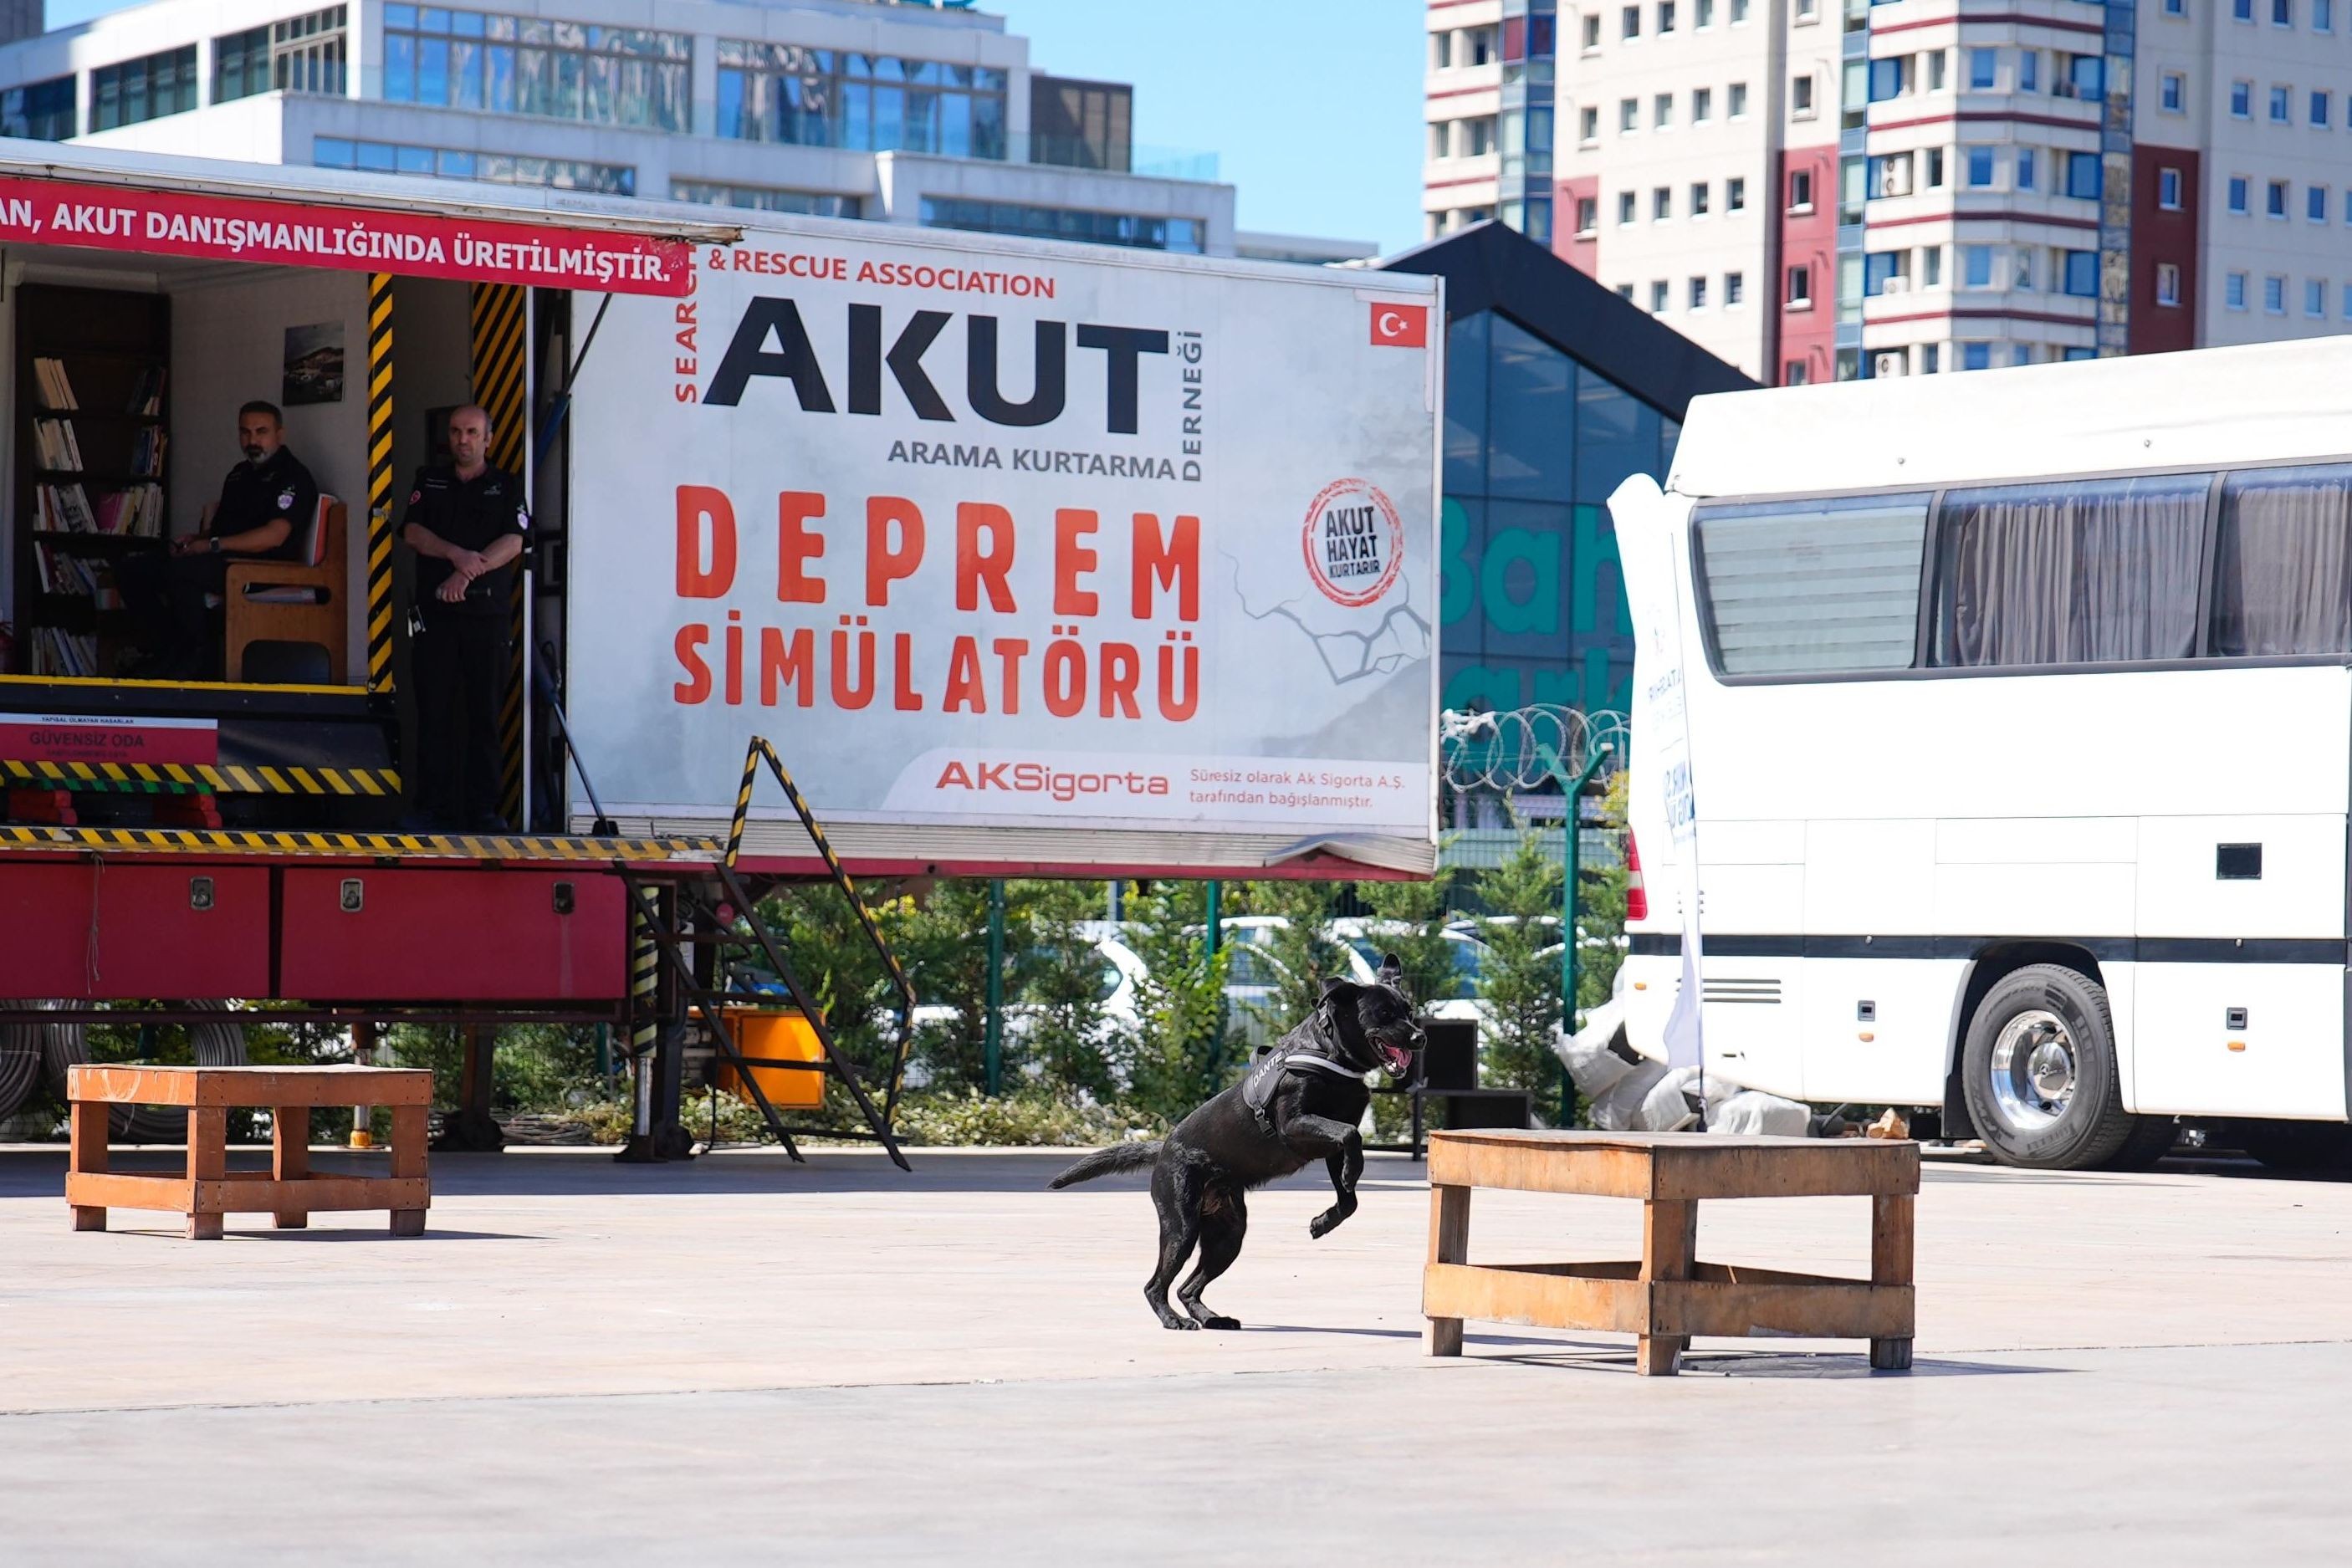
[(209, 1189), (1669, 1297)]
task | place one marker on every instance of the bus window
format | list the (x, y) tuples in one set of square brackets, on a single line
[(1809, 588), (2282, 571), (2080, 571)]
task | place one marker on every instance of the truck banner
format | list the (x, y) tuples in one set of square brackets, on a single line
[(121, 217), (1002, 535)]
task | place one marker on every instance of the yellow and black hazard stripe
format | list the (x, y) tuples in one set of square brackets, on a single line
[(181, 778), (499, 318), (645, 978), (379, 533), (759, 751), (390, 846)]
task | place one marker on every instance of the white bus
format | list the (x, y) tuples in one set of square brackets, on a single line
[(2020, 712)]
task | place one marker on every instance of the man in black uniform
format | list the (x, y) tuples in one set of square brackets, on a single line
[(467, 523), (265, 503)]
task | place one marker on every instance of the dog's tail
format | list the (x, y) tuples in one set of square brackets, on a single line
[(1104, 1162)]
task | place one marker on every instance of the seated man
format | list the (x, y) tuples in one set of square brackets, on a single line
[(262, 502)]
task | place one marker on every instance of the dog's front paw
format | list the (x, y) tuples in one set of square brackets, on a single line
[(1177, 1323)]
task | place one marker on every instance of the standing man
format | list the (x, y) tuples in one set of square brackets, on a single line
[(467, 523), (265, 503)]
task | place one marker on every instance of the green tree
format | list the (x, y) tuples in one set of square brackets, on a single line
[(1180, 1053), (1413, 916), (1067, 1038), (1601, 911), (1519, 980), (1301, 951)]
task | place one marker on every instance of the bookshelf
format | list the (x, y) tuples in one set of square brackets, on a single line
[(91, 447)]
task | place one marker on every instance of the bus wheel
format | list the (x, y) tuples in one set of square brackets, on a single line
[(2039, 1068)]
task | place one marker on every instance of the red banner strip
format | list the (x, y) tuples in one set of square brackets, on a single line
[(355, 239)]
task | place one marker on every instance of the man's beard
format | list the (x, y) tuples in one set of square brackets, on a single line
[(253, 454)]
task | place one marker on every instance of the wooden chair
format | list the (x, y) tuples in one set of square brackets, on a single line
[(298, 601)]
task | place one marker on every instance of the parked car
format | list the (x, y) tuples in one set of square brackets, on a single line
[(1120, 971)]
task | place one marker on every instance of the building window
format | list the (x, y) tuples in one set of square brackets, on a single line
[(1935, 58), (302, 54), (1441, 51), (1628, 116), (1801, 191), (2315, 299), (1698, 198), (1702, 105), (2025, 168), (2175, 7), (1698, 293), (1735, 289), (1587, 126), (1889, 77), (1735, 195), (1588, 215), (762, 199), (1984, 69), (39, 111), (142, 89), (2029, 71), (2241, 100), (1981, 168), (2274, 295), (1800, 97), (1481, 45), (1976, 356), (2323, 15), (2082, 274), (1629, 22), (2314, 204), (825, 97), (2167, 283), (1662, 205), (1737, 105), (1976, 266), (1625, 205), (2083, 175), (2348, 302), (2321, 107), (1662, 111), (1792, 373), (1801, 288), (2238, 195), (1590, 36), (1439, 141), (2279, 106), (1934, 167), (2234, 290), (527, 64), (2241, 10), (2274, 199), (1626, 292), (1931, 266), (1809, 10), (2176, 92), (1658, 298), (2281, 13), (491, 168), (2168, 189), (1183, 237), (1738, 12), (2086, 79)]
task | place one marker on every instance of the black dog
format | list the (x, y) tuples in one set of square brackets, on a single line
[(1301, 1101)]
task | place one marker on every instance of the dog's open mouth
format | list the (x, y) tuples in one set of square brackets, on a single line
[(1395, 1060)]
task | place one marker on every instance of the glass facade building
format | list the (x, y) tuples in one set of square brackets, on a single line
[(1555, 392)]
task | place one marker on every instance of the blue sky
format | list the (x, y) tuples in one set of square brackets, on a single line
[(1313, 107)]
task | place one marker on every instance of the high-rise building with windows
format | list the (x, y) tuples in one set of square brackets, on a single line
[(1818, 189), (899, 111)]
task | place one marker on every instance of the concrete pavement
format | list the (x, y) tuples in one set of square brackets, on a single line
[(745, 1359)]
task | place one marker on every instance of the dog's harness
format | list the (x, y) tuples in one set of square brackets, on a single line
[(1309, 1048)]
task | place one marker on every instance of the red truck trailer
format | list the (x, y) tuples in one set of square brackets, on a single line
[(1028, 559)]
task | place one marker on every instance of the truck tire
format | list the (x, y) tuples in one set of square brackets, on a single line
[(2039, 1070), (2150, 1142)]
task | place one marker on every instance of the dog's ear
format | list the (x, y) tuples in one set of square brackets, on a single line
[(1391, 970), (1331, 984)]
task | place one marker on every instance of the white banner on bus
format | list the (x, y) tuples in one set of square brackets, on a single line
[(988, 536), (1645, 549)]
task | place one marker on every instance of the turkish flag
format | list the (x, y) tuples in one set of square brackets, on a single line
[(1401, 326)]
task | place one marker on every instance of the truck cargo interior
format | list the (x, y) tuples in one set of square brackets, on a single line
[(125, 378)]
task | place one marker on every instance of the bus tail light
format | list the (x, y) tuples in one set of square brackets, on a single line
[(1637, 894)]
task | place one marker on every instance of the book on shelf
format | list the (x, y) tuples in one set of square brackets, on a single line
[(137, 511), (147, 452), (54, 445), (147, 397), (75, 576), (57, 651), (66, 509), (56, 386)]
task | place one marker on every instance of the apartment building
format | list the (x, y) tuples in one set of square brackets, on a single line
[(1814, 189), (896, 111)]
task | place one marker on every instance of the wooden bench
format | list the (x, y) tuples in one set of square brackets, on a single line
[(209, 1189), (1669, 1296)]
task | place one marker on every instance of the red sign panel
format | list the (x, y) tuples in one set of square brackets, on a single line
[(1401, 326), (108, 738), (355, 239)]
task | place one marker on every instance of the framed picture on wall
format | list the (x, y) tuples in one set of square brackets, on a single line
[(314, 365)]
